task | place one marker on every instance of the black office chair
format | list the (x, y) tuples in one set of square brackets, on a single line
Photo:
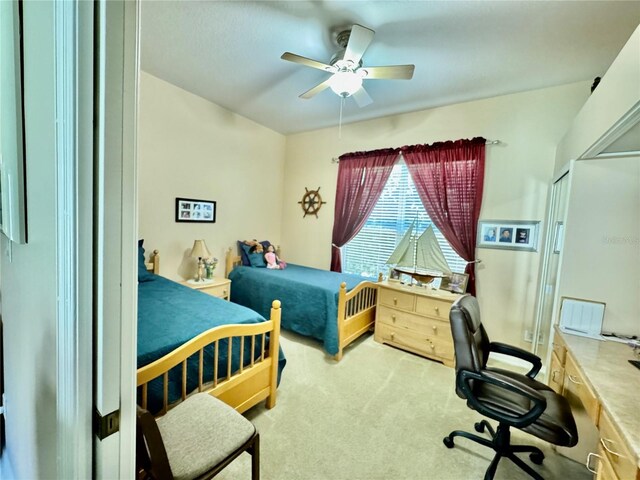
[(195, 440), (510, 398)]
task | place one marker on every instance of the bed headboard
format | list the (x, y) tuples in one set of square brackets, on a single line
[(231, 261), (153, 265)]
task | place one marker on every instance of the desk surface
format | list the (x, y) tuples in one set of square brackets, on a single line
[(614, 380)]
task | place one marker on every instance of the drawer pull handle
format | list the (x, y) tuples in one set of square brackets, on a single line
[(435, 329), (432, 346), (224, 292), (392, 335), (604, 442), (395, 301), (588, 464), (393, 318), (437, 309), (553, 375), (575, 380)]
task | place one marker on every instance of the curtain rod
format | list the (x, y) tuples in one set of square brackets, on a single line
[(488, 142)]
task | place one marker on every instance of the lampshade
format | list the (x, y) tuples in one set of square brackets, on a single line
[(200, 249), (345, 83)]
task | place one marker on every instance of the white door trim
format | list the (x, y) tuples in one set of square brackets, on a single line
[(73, 45), (116, 232)]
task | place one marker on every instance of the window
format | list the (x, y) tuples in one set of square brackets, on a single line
[(398, 206)]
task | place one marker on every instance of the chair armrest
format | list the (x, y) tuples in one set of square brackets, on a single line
[(517, 352), (464, 379)]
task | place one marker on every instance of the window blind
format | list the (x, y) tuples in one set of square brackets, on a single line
[(399, 205)]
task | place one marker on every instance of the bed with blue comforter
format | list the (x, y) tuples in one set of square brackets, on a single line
[(170, 314), (310, 300)]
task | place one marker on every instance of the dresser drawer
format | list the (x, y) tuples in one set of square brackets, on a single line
[(575, 384), (556, 373), (559, 349), (414, 342), (420, 325), (221, 291), (401, 319), (393, 298), (439, 330), (433, 307), (615, 449), (605, 469)]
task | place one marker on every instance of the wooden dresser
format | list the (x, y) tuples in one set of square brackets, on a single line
[(415, 319)]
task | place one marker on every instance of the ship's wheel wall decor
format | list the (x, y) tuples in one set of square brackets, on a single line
[(311, 202)]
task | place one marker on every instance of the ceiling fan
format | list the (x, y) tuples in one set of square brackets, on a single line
[(346, 69)]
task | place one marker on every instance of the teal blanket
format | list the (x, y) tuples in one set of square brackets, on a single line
[(170, 314), (309, 297)]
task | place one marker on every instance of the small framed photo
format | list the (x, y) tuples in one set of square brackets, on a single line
[(509, 234), (455, 283), (394, 275), (195, 211)]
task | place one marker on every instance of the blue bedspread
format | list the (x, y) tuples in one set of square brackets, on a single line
[(309, 297), (170, 314)]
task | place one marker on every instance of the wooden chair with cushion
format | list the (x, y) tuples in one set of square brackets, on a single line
[(195, 440)]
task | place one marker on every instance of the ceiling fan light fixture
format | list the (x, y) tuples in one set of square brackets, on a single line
[(345, 83), (347, 69)]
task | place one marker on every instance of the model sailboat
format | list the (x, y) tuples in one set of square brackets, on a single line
[(421, 257)]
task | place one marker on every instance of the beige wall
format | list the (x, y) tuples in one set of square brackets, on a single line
[(190, 147), (518, 174), (602, 240), (617, 95)]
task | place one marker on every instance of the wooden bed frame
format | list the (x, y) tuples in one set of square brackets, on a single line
[(356, 309), (242, 388)]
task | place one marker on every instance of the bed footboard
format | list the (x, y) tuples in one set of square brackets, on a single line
[(241, 386), (356, 313)]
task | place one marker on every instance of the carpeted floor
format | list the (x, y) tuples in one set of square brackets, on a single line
[(380, 413)]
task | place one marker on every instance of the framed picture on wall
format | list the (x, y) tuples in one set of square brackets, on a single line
[(195, 211), (509, 234)]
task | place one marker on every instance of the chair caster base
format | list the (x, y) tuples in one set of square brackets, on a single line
[(500, 443), (536, 458)]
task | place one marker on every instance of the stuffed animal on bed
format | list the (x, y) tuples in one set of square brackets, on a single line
[(255, 253), (256, 246), (272, 260)]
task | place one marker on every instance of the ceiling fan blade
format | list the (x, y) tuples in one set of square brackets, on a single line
[(292, 57), (403, 72), (362, 98), (317, 89), (359, 39)]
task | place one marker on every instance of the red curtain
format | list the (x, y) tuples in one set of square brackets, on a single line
[(361, 178), (449, 177)]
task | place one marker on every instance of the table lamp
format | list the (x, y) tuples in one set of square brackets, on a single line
[(200, 251)]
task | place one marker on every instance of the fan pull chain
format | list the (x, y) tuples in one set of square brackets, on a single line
[(340, 122)]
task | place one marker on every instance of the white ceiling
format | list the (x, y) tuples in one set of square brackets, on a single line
[(229, 51)]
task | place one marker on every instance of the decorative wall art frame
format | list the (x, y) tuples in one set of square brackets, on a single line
[(455, 283), (13, 202), (195, 211), (509, 234)]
